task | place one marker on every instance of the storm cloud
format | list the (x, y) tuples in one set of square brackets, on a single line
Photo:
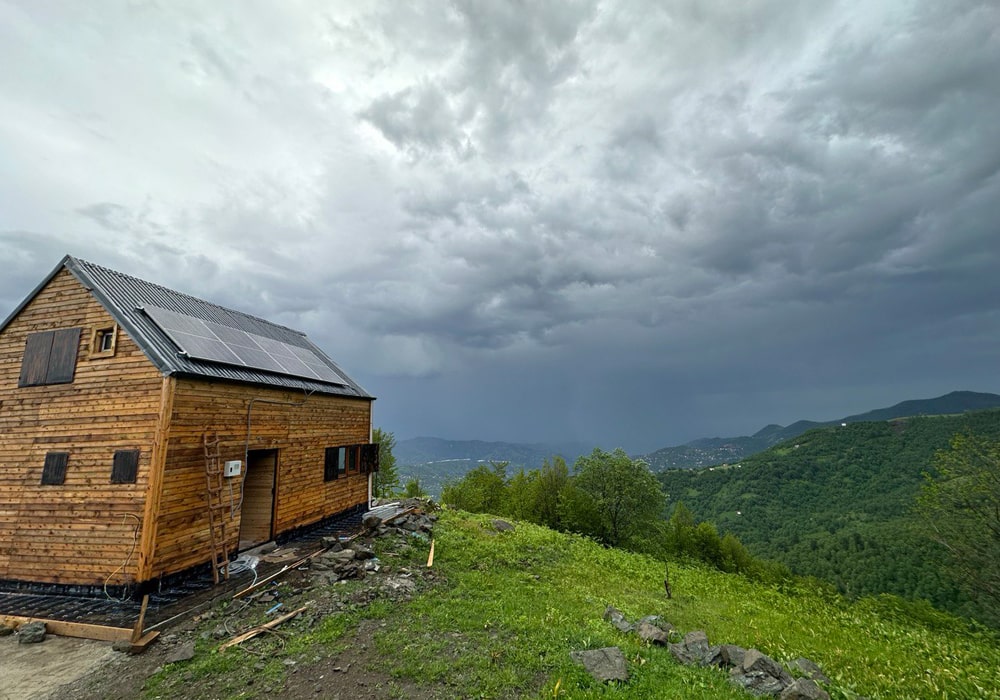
[(626, 223)]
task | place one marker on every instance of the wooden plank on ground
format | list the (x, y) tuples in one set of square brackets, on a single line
[(79, 630), (249, 634)]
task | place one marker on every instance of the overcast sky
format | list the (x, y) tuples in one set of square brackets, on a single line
[(631, 224)]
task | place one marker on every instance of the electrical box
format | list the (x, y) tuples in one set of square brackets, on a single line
[(232, 467)]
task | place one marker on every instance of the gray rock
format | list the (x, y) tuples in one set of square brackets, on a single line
[(341, 557), (731, 655), (659, 622), (712, 657), (333, 544), (810, 669), (371, 521), (6, 630), (615, 617), (695, 650), (607, 664), (756, 682), (498, 525), (362, 552), (31, 633), (183, 652), (760, 674), (804, 689), (648, 632), (754, 660), (683, 655), (123, 646)]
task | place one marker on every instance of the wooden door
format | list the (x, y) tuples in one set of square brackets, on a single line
[(257, 510)]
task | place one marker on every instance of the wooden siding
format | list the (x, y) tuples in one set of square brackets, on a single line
[(83, 531), (300, 427)]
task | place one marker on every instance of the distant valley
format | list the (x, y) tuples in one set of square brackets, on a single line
[(435, 461)]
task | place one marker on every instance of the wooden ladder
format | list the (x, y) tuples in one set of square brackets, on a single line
[(214, 483)]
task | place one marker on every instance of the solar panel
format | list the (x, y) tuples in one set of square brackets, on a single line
[(213, 342)]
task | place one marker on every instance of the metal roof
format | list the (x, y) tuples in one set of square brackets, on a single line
[(124, 297)]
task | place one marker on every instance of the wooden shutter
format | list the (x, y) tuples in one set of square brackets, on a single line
[(369, 458), (330, 464), (62, 360), (35, 363), (125, 467), (49, 357), (54, 471)]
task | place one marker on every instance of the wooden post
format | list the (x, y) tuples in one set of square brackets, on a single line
[(137, 630), (154, 489)]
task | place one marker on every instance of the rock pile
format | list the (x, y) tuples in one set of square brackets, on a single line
[(748, 668)]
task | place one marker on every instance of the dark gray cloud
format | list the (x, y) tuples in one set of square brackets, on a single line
[(635, 223)]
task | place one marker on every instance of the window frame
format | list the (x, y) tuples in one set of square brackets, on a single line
[(99, 337)]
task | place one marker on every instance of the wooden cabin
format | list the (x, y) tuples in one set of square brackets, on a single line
[(144, 432)]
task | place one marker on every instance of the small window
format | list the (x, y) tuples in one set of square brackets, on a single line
[(49, 357), (338, 460), (102, 343), (54, 471), (125, 467)]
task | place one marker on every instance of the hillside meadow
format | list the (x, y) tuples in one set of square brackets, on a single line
[(508, 607)]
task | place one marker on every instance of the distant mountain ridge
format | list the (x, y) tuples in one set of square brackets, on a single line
[(708, 451)]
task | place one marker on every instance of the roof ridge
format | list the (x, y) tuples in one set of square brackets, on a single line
[(184, 294)]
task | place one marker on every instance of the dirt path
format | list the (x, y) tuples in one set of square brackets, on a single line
[(34, 671)]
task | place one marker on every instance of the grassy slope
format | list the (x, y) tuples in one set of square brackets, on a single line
[(516, 603)]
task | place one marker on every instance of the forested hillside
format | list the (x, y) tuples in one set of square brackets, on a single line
[(709, 451), (837, 503)]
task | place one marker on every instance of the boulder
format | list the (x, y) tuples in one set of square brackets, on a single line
[(804, 689), (697, 643), (498, 525), (731, 655), (607, 664), (760, 674), (810, 669), (31, 633), (6, 630), (648, 632), (754, 660), (615, 617), (371, 521), (756, 682)]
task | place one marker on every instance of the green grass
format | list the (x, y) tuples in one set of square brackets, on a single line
[(514, 604)]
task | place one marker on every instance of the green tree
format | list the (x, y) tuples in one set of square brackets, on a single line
[(481, 490), (625, 493), (387, 477), (553, 479), (961, 509), (413, 489)]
